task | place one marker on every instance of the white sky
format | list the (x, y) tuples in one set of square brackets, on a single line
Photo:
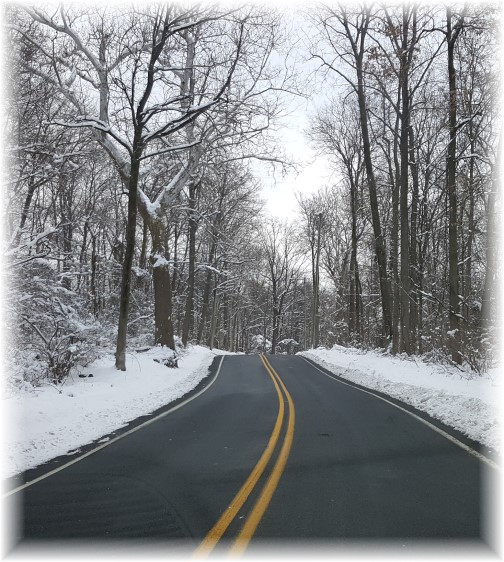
[(313, 172), (280, 193)]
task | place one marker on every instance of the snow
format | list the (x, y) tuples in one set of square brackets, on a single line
[(463, 400), (51, 421), (161, 262), (152, 209)]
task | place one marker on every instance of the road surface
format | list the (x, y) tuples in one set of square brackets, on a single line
[(270, 449)]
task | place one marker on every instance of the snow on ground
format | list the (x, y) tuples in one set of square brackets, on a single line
[(463, 400), (43, 423)]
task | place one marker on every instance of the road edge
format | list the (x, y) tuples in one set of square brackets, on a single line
[(454, 433), (24, 479)]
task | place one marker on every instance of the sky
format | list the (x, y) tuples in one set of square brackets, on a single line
[(313, 171)]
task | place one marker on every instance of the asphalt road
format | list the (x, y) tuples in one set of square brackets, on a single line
[(289, 452)]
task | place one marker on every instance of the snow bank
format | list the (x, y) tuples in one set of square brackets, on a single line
[(43, 423), (463, 400)]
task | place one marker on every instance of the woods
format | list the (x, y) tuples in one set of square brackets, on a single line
[(137, 141)]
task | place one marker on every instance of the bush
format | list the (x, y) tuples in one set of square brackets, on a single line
[(51, 323)]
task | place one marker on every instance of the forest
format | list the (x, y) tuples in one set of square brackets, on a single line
[(136, 138)]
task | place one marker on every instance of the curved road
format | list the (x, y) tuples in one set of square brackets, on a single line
[(271, 449)]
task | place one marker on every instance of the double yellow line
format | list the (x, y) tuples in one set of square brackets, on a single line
[(252, 521)]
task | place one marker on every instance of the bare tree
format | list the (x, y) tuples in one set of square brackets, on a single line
[(282, 269), (338, 25), (140, 105), (452, 33)]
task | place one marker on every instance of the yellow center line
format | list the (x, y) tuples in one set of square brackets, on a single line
[(215, 534), (264, 499)]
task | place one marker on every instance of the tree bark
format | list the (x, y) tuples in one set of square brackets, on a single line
[(379, 240), (395, 177), (192, 227), (354, 323), (315, 336), (414, 266), (215, 313), (94, 270), (161, 278), (206, 293), (488, 302), (453, 254), (404, 150), (120, 354)]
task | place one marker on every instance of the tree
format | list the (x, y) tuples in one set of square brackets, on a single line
[(452, 33), (339, 25), (282, 270), (152, 101), (335, 131), (313, 219)]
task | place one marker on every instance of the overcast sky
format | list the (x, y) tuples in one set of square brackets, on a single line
[(313, 172)]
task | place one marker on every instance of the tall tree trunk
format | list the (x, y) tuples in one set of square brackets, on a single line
[(94, 269), (142, 262), (394, 242), (120, 354), (379, 240), (215, 314), (176, 236), (354, 320), (453, 255), (83, 254), (192, 226), (404, 149), (316, 284), (161, 278), (414, 266), (274, 311), (206, 291), (274, 332), (489, 287), (32, 187)]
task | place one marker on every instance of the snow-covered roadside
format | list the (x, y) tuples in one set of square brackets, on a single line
[(42, 423), (465, 401)]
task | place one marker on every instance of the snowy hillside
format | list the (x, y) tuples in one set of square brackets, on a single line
[(463, 400)]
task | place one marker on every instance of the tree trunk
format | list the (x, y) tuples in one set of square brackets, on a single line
[(404, 149), (215, 312), (163, 306), (489, 287), (120, 354), (274, 332), (316, 284), (379, 240), (414, 266), (94, 268), (161, 278), (453, 255), (394, 242), (355, 298), (32, 186), (192, 226), (142, 262), (206, 292)]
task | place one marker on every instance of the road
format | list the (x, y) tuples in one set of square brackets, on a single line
[(270, 449)]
